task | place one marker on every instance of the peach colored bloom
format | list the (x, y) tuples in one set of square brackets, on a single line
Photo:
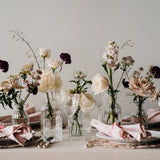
[(140, 86)]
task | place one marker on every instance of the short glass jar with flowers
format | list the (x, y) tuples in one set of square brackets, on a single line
[(143, 88), (12, 88), (102, 84), (51, 82), (86, 102)]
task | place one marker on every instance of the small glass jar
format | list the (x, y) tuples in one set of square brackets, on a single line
[(20, 116), (86, 123), (140, 116), (51, 127), (76, 124), (112, 112)]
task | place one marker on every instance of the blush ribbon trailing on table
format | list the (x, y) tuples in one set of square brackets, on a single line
[(153, 115)]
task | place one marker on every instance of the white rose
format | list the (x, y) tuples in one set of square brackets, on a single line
[(54, 64), (47, 81), (86, 101), (44, 52), (58, 80), (99, 84)]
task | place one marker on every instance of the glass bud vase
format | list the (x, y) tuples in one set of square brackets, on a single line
[(112, 111), (50, 127), (20, 116), (76, 124), (56, 100), (140, 117), (86, 122)]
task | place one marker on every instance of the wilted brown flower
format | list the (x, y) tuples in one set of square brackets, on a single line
[(136, 74)]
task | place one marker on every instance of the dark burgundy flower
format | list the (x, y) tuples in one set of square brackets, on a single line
[(66, 58), (32, 89), (155, 70), (125, 83), (4, 65)]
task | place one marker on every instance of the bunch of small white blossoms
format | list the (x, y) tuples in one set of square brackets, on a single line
[(111, 54), (86, 100)]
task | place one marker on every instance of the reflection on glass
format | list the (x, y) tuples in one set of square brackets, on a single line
[(70, 105)]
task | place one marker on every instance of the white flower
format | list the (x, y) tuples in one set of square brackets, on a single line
[(44, 52), (58, 80), (111, 63), (99, 84), (54, 64), (47, 81), (80, 74), (86, 101), (27, 67), (111, 55)]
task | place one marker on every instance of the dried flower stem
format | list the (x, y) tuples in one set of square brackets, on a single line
[(27, 43), (127, 43)]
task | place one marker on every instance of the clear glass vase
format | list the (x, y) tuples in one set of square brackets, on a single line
[(50, 126), (76, 124), (112, 111), (86, 122), (140, 116), (56, 100), (20, 116)]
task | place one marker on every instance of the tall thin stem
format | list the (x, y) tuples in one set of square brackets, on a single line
[(50, 109), (27, 43), (44, 65), (61, 67), (140, 102), (70, 128), (25, 99), (120, 80), (110, 77)]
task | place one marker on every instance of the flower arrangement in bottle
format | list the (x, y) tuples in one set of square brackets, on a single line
[(49, 79), (142, 88), (26, 81), (102, 84), (85, 102)]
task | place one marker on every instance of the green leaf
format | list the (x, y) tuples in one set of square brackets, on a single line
[(23, 75), (73, 81), (89, 82), (118, 65), (84, 84), (104, 65), (10, 92)]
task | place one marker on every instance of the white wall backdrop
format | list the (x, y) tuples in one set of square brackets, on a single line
[(81, 28)]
